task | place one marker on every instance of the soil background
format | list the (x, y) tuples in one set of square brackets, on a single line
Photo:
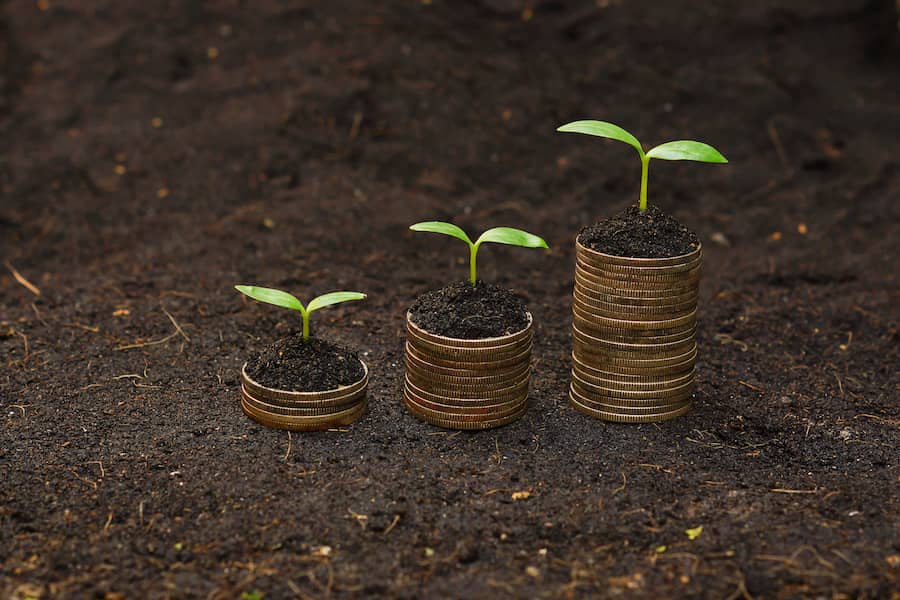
[(153, 154)]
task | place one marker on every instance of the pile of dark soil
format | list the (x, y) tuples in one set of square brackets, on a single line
[(470, 313), (648, 234), (312, 365)]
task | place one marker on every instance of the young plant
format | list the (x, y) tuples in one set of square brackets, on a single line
[(677, 150), (498, 235), (285, 300)]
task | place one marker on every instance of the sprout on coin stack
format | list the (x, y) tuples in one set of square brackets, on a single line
[(303, 383), (635, 301), (468, 349)]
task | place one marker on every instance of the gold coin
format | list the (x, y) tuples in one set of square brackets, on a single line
[(478, 396), (615, 305), (464, 343), (636, 262), (662, 326), (621, 299), (635, 336), (596, 367), (426, 366), (630, 382), (274, 396), (630, 418), (414, 404), (491, 365), (480, 407), (505, 378), (634, 406), (329, 407), (632, 313), (637, 349), (653, 294), (586, 261), (606, 394), (303, 424), (671, 284), (468, 425), (460, 390), (469, 354), (638, 274)]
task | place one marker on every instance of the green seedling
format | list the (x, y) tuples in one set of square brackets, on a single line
[(286, 300), (677, 150), (497, 235)]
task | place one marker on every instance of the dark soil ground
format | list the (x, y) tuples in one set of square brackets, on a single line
[(463, 311), (154, 154), (298, 365), (648, 234)]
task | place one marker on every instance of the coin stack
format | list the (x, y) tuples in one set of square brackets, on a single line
[(633, 329), (467, 384), (303, 411)]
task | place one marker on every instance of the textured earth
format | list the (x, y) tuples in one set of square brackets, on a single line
[(152, 155)]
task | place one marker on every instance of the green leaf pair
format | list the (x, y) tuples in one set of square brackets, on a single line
[(286, 300), (677, 150), (497, 235)]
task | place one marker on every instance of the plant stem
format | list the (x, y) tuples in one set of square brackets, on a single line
[(305, 325), (645, 166), (473, 252)]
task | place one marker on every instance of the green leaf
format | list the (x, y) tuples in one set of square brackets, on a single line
[(271, 296), (441, 227), (603, 129), (687, 150), (333, 298), (513, 237)]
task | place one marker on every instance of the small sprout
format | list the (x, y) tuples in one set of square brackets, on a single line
[(677, 150), (498, 235), (286, 300), (694, 532)]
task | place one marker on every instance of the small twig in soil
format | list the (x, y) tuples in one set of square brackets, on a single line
[(109, 520), (288, 452), (177, 326), (25, 341), (621, 487), (25, 283), (393, 524), (879, 419), (752, 387), (776, 141), (90, 482), (787, 491), (724, 338), (97, 462)]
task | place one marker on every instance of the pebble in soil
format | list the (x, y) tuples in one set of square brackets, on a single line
[(299, 365), (462, 311), (636, 234)]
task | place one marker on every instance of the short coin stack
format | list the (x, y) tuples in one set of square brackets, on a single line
[(467, 384), (303, 411), (633, 329)]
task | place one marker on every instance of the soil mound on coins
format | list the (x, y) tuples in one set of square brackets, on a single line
[(313, 365), (470, 313), (651, 234)]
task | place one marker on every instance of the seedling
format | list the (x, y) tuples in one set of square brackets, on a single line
[(677, 150), (498, 235), (286, 300)]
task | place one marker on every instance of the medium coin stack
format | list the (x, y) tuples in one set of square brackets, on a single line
[(633, 328), (303, 411), (467, 384)]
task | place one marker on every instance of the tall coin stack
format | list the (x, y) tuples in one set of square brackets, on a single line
[(634, 325), (303, 411), (467, 384)]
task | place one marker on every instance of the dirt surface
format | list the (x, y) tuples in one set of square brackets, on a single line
[(463, 311), (154, 154), (313, 365), (633, 233)]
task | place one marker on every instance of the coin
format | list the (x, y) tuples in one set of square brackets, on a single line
[(627, 406), (587, 261), (629, 274), (662, 326), (632, 313), (469, 354), (630, 418), (593, 366), (468, 425), (637, 348), (458, 390), (488, 371), (662, 359), (478, 396), (599, 392), (631, 261), (415, 405), (634, 383), (465, 343), (619, 298), (631, 282), (309, 410), (273, 395), (304, 424), (587, 325), (476, 407), (653, 293), (504, 378), (486, 365)]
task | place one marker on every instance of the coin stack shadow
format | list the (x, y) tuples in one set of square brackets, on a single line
[(303, 411), (467, 384), (633, 328)]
